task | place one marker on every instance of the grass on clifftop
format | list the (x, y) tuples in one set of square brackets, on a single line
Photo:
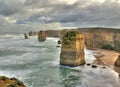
[(107, 46), (69, 37)]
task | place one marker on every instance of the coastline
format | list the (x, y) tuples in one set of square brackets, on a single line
[(106, 58), (10, 82)]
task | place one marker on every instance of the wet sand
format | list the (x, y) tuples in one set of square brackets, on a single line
[(106, 58)]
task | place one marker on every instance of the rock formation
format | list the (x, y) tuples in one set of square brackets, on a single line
[(59, 41), (72, 50), (25, 35), (42, 36), (31, 33), (117, 62), (106, 38), (10, 82)]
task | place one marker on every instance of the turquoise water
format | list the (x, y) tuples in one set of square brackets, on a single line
[(37, 65)]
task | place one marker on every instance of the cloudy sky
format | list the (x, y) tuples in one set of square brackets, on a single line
[(56, 14)]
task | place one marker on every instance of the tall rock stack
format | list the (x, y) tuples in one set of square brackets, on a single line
[(72, 49), (42, 36)]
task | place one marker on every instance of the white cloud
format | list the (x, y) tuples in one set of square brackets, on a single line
[(10, 20), (68, 2)]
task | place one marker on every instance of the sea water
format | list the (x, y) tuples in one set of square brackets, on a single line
[(37, 65)]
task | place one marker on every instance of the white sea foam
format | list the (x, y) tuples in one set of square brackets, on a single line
[(89, 58), (37, 59)]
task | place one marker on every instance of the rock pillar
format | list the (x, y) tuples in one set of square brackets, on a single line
[(72, 49), (42, 36)]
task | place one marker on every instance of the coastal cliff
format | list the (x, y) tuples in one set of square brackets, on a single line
[(72, 50), (105, 38)]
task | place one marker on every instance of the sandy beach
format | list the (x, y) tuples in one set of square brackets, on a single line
[(106, 58)]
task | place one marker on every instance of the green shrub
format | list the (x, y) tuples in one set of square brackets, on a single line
[(13, 78), (71, 34), (20, 83), (107, 46), (4, 78)]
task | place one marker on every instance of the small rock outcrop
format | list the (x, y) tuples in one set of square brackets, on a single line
[(72, 49), (31, 33), (117, 62), (25, 35), (59, 41), (10, 82), (42, 36)]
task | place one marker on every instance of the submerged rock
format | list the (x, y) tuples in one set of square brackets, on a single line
[(59, 41), (88, 64), (94, 66), (117, 62), (72, 49), (42, 36)]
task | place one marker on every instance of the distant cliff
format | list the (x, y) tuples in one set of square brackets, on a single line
[(105, 38), (53, 33), (50, 33)]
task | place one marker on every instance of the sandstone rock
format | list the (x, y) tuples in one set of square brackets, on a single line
[(10, 82), (117, 62), (42, 36), (72, 50)]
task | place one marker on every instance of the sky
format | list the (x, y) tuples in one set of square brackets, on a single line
[(24, 15)]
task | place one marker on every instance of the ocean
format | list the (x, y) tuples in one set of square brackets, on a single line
[(37, 65)]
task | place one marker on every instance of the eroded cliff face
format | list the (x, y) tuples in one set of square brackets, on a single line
[(72, 50), (96, 38), (42, 36), (105, 38)]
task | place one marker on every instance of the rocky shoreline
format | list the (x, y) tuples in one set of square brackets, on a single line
[(106, 58), (10, 82)]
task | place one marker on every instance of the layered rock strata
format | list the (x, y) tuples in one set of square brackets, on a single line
[(72, 50)]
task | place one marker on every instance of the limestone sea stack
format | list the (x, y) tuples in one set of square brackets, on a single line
[(72, 49), (117, 62), (42, 36)]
